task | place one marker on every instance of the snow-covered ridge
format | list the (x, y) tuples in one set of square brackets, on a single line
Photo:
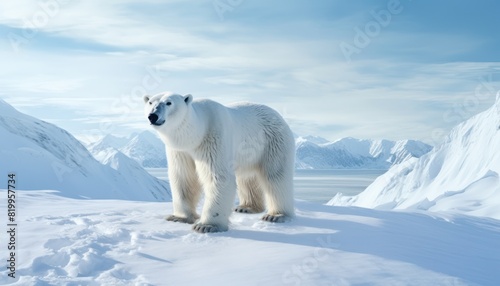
[(460, 175), (44, 156), (352, 153)]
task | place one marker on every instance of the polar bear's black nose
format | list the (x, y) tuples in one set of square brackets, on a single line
[(153, 118)]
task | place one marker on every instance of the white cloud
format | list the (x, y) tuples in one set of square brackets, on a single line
[(305, 77), (40, 84)]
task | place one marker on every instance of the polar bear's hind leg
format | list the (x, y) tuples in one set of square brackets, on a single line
[(279, 198), (276, 175)]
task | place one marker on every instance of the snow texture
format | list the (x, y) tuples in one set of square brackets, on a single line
[(48, 157), (461, 175), (351, 153), (108, 242)]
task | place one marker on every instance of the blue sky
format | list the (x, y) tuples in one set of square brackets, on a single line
[(366, 69)]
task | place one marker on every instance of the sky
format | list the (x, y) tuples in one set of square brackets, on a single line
[(366, 69)]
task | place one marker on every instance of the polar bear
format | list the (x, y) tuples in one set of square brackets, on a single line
[(220, 149)]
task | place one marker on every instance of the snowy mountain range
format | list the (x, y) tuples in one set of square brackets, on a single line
[(312, 152), (145, 148), (460, 175), (351, 153), (46, 157)]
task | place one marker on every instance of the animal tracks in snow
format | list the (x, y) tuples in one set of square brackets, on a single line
[(84, 250), (91, 247)]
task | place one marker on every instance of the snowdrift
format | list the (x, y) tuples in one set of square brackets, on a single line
[(44, 156), (460, 175)]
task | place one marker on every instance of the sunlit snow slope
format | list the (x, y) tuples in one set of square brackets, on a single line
[(461, 175), (44, 156)]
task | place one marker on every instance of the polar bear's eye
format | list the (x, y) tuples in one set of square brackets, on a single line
[(168, 103), (150, 103)]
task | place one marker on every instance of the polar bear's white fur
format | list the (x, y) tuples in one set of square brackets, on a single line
[(219, 149)]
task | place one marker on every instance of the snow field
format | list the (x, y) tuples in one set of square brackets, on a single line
[(64, 241)]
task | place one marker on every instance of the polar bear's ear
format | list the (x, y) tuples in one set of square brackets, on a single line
[(188, 98), (145, 98)]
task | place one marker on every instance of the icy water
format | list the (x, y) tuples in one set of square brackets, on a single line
[(322, 185), (318, 185)]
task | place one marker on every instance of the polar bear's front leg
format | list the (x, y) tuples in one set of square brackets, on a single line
[(186, 188), (219, 183)]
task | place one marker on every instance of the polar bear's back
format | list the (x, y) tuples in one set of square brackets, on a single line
[(258, 118), (259, 132), (255, 133)]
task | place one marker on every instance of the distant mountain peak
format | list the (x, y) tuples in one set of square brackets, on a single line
[(316, 139), (144, 147), (353, 153)]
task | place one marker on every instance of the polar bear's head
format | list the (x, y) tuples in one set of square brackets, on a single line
[(166, 109)]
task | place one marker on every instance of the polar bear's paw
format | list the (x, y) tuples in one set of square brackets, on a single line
[(246, 210), (206, 228), (274, 218), (181, 219)]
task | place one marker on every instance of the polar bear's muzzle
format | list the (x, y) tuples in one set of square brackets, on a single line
[(155, 116), (155, 120)]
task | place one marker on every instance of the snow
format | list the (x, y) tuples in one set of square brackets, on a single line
[(113, 242), (48, 157), (352, 153), (460, 175)]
